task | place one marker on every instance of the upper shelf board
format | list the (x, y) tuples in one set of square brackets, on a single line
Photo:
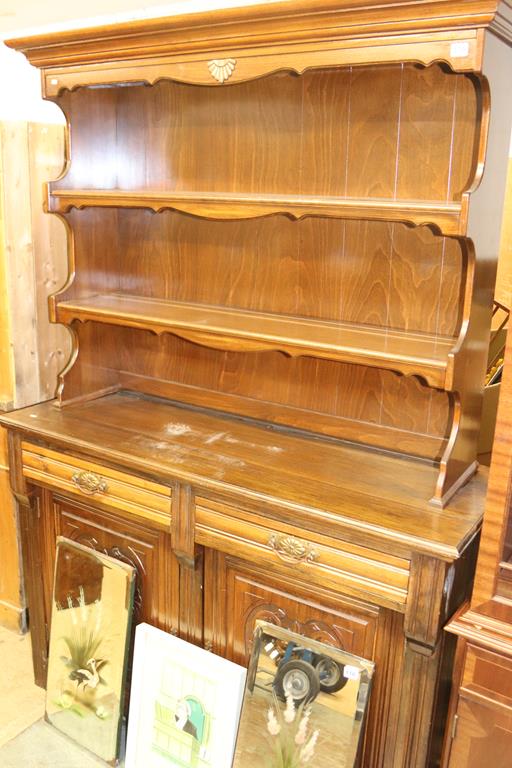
[(409, 353), (447, 218)]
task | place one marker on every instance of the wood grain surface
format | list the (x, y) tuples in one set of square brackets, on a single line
[(297, 21), (408, 353), (387, 497), (281, 151), (281, 135), (279, 208)]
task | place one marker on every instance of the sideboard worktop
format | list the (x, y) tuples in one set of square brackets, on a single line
[(339, 487)]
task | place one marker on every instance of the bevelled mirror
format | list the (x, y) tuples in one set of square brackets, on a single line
[(91, 616), (304, 703)]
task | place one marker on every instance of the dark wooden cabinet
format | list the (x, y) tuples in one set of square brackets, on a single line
[(484, 735), (480, 720), (237, 593), (214, 554), (146, 549), (281, 262)]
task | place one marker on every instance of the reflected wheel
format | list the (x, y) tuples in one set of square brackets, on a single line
[(330, 674), (298, 679)]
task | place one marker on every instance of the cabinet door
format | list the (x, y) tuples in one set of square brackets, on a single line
[(483, 736), (147, 550), (482, 730), (237, 593)]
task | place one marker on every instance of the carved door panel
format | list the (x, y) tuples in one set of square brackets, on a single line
[(146, 549), (237, 593)]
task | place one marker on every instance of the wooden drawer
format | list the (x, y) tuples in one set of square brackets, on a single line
[(312, 558), (487, 675), (133, 495)]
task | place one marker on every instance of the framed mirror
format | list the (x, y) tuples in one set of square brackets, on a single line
[(90, 630), (304, 703)]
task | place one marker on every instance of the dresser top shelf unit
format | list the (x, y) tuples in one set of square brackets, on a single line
[(424, 355), (448, 218), (317, 171), (304, 177)]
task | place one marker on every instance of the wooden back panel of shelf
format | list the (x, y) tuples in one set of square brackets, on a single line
[(348, 132), (349, 271), (374, 273), (340, 132)]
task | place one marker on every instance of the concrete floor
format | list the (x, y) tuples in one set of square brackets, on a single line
[(26, 740), (21, 702)]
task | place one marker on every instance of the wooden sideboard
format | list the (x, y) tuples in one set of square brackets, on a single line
[(228, 521), (282, 249)]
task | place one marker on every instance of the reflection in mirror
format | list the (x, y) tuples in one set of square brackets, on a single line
[(91, 615), (304, 703)]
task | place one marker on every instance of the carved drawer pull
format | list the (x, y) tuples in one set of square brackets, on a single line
[(292, 550), (89, 483)]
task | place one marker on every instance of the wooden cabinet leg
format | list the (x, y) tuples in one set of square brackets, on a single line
[(29, 517), (419, 685), (29, 513)]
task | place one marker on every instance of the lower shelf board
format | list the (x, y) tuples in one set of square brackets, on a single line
[(409, 353)]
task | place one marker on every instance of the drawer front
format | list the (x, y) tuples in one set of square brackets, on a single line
[(133, 495), (313, 558), (488, 675)]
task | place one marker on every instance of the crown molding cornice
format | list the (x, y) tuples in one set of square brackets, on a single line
[(294, 21)]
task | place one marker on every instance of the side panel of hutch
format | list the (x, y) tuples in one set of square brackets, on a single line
[(282, 247)]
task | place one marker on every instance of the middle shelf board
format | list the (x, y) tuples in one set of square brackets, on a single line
[(409, 353), (450, 218)]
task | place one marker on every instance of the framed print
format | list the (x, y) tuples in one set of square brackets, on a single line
[(90, 629), (304, 703), (184, 706)]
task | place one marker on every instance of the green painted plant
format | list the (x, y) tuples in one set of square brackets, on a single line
[(82, 645), (83, 661)]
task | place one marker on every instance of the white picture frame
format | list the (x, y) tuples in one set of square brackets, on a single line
[(185, 704)]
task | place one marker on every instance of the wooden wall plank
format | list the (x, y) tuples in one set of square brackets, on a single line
[(33, 263), (46, 157), (6, 361), (19, 260)]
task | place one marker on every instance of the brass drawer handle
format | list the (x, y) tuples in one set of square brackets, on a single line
[(89, 483), (292, 550)]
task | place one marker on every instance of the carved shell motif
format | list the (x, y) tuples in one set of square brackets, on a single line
[(222, 69)]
